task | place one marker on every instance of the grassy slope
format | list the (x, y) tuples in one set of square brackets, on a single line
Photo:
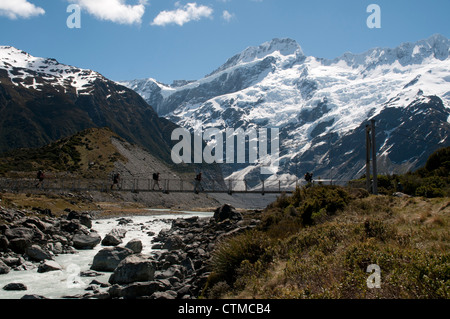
[(88, 154), (409, 238)]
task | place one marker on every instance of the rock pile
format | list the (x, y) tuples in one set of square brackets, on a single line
[(179, 267), (32, 239)]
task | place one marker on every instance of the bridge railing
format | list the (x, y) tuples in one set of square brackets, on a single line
[(148, 185)]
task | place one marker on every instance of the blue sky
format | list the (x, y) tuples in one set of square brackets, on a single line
[(174, 40)]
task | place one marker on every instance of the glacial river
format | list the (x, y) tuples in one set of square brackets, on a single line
[(56, 284)]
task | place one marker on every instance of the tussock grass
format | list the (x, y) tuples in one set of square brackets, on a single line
[(327, 256)]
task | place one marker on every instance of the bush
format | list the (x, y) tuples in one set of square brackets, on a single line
[(429, 191), (229, 255)]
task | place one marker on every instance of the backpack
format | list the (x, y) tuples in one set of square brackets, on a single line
[(155, 176)]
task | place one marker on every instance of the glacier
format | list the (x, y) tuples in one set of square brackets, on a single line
[(320, 104)]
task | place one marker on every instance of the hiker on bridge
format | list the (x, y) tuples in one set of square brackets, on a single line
[(156, 181), (116, 179), (309, 177), (198, 185), (40, 177)]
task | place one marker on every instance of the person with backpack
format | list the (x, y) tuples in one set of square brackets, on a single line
[(198, 186), (308, 177), (116, 179), (156, 181), (40, 177)]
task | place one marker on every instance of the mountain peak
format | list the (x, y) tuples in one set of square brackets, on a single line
[(408, 53), (28, 71), (284, 46)]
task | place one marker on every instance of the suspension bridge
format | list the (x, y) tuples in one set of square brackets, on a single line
[(148, 185)]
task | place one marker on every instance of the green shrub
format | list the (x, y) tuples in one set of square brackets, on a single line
[(230, 254), (429, 191)]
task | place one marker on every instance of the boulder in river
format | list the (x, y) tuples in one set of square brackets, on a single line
[(82, 241), (49, 265), (36, 253), (108, 259), (15, 286), (114, 237), (33, 297), (135, 245), (135, 268)]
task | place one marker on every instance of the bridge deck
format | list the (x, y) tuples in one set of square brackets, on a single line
[(148, 186)]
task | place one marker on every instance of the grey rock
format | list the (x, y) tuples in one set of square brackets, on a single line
[(36, 253), (227, 212), (108, 259), (56, 248), (135, 245), (114, 237), (99, 283), (4, 269), (124, 221), (25, 266), (138, 289), (48, 265), (135, 268), (15, 286), (169, 294), (85, 219), (89, 273), (111, 240), (4, 243), (33, 297), (84, 242), (174, 243), (20, 232), (70, 226)]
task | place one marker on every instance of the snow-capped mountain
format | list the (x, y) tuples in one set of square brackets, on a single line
[(42, 100), (28, 71), (322, 106)]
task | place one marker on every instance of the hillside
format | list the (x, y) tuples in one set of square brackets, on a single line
[(90, 155), (318, 243), (408, 238), (87, 154)]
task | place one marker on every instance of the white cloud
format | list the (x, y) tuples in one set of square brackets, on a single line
[(117, 11), (14, 9), (227, 16), (182, 15)]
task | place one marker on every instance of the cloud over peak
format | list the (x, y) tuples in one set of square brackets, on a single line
[(183, 14), (19, 9), (117, 11)]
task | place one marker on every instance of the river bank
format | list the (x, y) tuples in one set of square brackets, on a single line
[(54, 257)]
